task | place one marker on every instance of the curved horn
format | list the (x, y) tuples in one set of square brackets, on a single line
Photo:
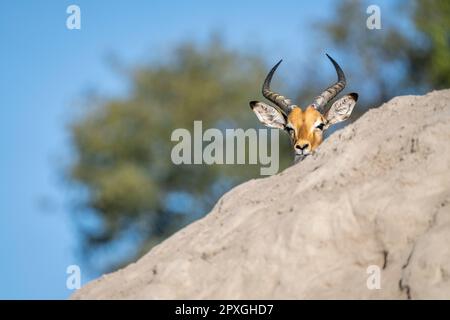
[(320, 101), (282, 102)]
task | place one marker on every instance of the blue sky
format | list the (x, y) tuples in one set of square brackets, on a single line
[(46, 68)]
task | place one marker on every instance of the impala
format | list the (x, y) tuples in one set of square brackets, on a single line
[(305, 127)]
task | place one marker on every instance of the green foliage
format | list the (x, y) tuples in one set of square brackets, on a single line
[(433, 20), (123, 146), (409, 55)]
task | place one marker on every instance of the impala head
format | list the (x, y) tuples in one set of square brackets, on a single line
[(305, 126)]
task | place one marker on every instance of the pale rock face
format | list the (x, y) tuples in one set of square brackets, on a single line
[(376, 193)]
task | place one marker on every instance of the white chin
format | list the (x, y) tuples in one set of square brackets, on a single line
[(299, 157)]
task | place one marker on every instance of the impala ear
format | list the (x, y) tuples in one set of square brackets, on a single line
[(268, 115), (341, 109)]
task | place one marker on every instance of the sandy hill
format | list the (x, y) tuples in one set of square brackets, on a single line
[(375, 197)]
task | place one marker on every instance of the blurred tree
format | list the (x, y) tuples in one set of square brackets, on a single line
[(133, 191), (408, 55)]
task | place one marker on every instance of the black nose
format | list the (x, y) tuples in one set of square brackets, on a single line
[(302, 146)]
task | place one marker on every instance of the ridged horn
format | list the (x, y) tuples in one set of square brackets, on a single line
[(321, 100), (282, 102)]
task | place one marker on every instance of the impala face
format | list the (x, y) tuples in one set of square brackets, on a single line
[(305, 130), (305, 127)]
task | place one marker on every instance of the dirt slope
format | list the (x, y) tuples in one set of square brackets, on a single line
[(375, 193)]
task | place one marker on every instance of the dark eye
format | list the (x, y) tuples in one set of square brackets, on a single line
[(320, 126), (290, 131)]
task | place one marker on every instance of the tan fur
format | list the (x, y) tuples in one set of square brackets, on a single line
[(303, 123)]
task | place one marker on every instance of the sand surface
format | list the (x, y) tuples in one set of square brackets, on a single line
[(377, 193)]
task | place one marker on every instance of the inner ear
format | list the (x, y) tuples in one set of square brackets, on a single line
[(268, 115), (341, 109)]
